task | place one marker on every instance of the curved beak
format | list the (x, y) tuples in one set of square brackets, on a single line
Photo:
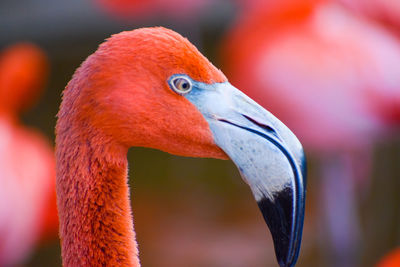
[(268, 155)]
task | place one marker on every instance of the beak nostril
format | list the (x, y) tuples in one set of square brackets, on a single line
[(264, 126)]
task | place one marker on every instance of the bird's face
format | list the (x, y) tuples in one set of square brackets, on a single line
[(180, 103), (268, 155)]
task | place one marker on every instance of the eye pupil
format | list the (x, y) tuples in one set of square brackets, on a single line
[(181, 85)]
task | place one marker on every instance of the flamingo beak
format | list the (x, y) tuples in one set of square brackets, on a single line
[(268, 155)]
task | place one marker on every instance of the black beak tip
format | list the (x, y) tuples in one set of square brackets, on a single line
[(279, 216), (285, 263)]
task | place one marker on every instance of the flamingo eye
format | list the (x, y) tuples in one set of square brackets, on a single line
[(181, 85)]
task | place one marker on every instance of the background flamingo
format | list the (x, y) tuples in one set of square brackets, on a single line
[(341, 74), (27, 168)]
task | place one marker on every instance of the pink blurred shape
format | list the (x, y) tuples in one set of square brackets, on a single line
[(27, 169), (334, 79), (386, 12)]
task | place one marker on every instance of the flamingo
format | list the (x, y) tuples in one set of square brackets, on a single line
[(28, 212), (150, 87), (317, 66)]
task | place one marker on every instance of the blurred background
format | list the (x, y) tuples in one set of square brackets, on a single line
[(330, 70)]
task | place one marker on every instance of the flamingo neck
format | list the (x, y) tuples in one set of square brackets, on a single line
[(96, 227)]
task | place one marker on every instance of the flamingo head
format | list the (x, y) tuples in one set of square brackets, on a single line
[(151, 87), (23, 72)]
